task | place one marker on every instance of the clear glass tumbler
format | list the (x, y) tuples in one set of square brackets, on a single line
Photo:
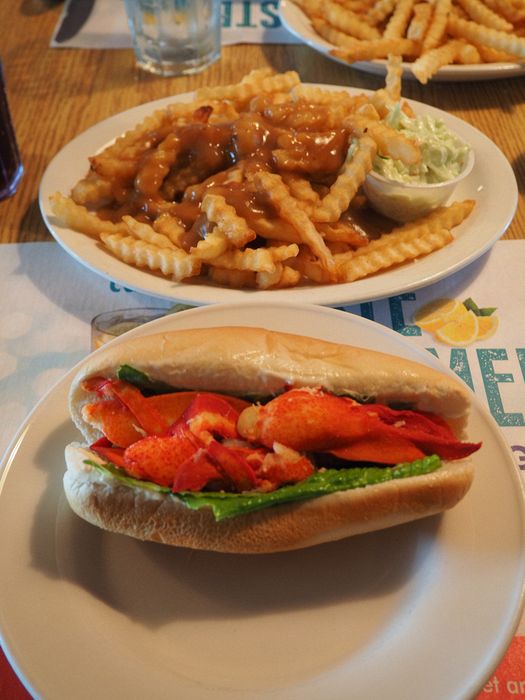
[(110, 324), (11, 168), (175, 37)]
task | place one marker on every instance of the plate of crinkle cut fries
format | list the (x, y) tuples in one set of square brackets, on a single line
[(255, 190), (437, 39)]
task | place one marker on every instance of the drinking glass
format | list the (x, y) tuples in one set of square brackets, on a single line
[(175, 37), (11, 168), (109, 324)]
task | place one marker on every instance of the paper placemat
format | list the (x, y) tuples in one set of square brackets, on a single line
[(102, 24), (49, 300)]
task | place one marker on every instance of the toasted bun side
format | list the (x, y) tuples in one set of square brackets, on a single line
[(247, 361), (108, 503)]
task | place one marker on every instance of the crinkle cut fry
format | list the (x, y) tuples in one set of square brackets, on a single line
[(169, 226), (479, 34), (289, 277), (145, 232), (255, 259), (335, 36), (289, 210), (430, 62), (398, 22), (300, 188), (309, 267), (310, 7), (243, 92), (228, 222), (404, 246), (354, 50), (405, 242), (132, 143), (481, 14), (513, 12), (257, 74), (468, 54), (325, 117), (277, 229), (92, 189), (438, 25), (355, 169), (155, 166), (77, 217), (490, 55), (151, 123), (212, 246), (282, 276), (343, 232), (176, 264), (320, 96), (380, 11), (422, 14), (389, 142), (447, 217), (351, 49), (348, 22), (393, 76)]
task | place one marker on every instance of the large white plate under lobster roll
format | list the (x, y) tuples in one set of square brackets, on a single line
[(294, 625)]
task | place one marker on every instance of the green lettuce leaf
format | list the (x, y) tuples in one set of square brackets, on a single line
[(323, 482), (141, 381)]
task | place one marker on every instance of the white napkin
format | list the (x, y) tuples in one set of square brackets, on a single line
[(243, 22)]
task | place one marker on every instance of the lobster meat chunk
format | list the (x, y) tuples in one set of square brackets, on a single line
[(307, 420), (312, 420), (158, 458), (124, 415), (198, 449)]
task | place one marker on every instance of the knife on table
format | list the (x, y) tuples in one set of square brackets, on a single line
[(75, 16)]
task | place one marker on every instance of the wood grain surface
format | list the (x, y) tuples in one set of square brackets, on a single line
[(55, 94)]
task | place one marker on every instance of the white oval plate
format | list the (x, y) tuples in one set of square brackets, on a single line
[(424, 610), (298, 24), (492, 184)]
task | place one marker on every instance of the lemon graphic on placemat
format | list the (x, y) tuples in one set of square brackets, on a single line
[(461, 330), (457, 323), (487, 326), (433, 315)]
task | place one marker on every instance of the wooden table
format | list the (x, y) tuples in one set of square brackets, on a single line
[(57, 93)]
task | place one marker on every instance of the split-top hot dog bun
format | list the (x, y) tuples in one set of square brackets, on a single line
[(253, 362)]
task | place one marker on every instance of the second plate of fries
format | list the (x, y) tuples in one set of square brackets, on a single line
[(253, 191), (445, 40)]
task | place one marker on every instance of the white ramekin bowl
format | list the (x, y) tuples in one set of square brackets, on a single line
[(406, 201)]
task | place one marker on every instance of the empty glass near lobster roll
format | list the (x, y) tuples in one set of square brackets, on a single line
[(257, 184)]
